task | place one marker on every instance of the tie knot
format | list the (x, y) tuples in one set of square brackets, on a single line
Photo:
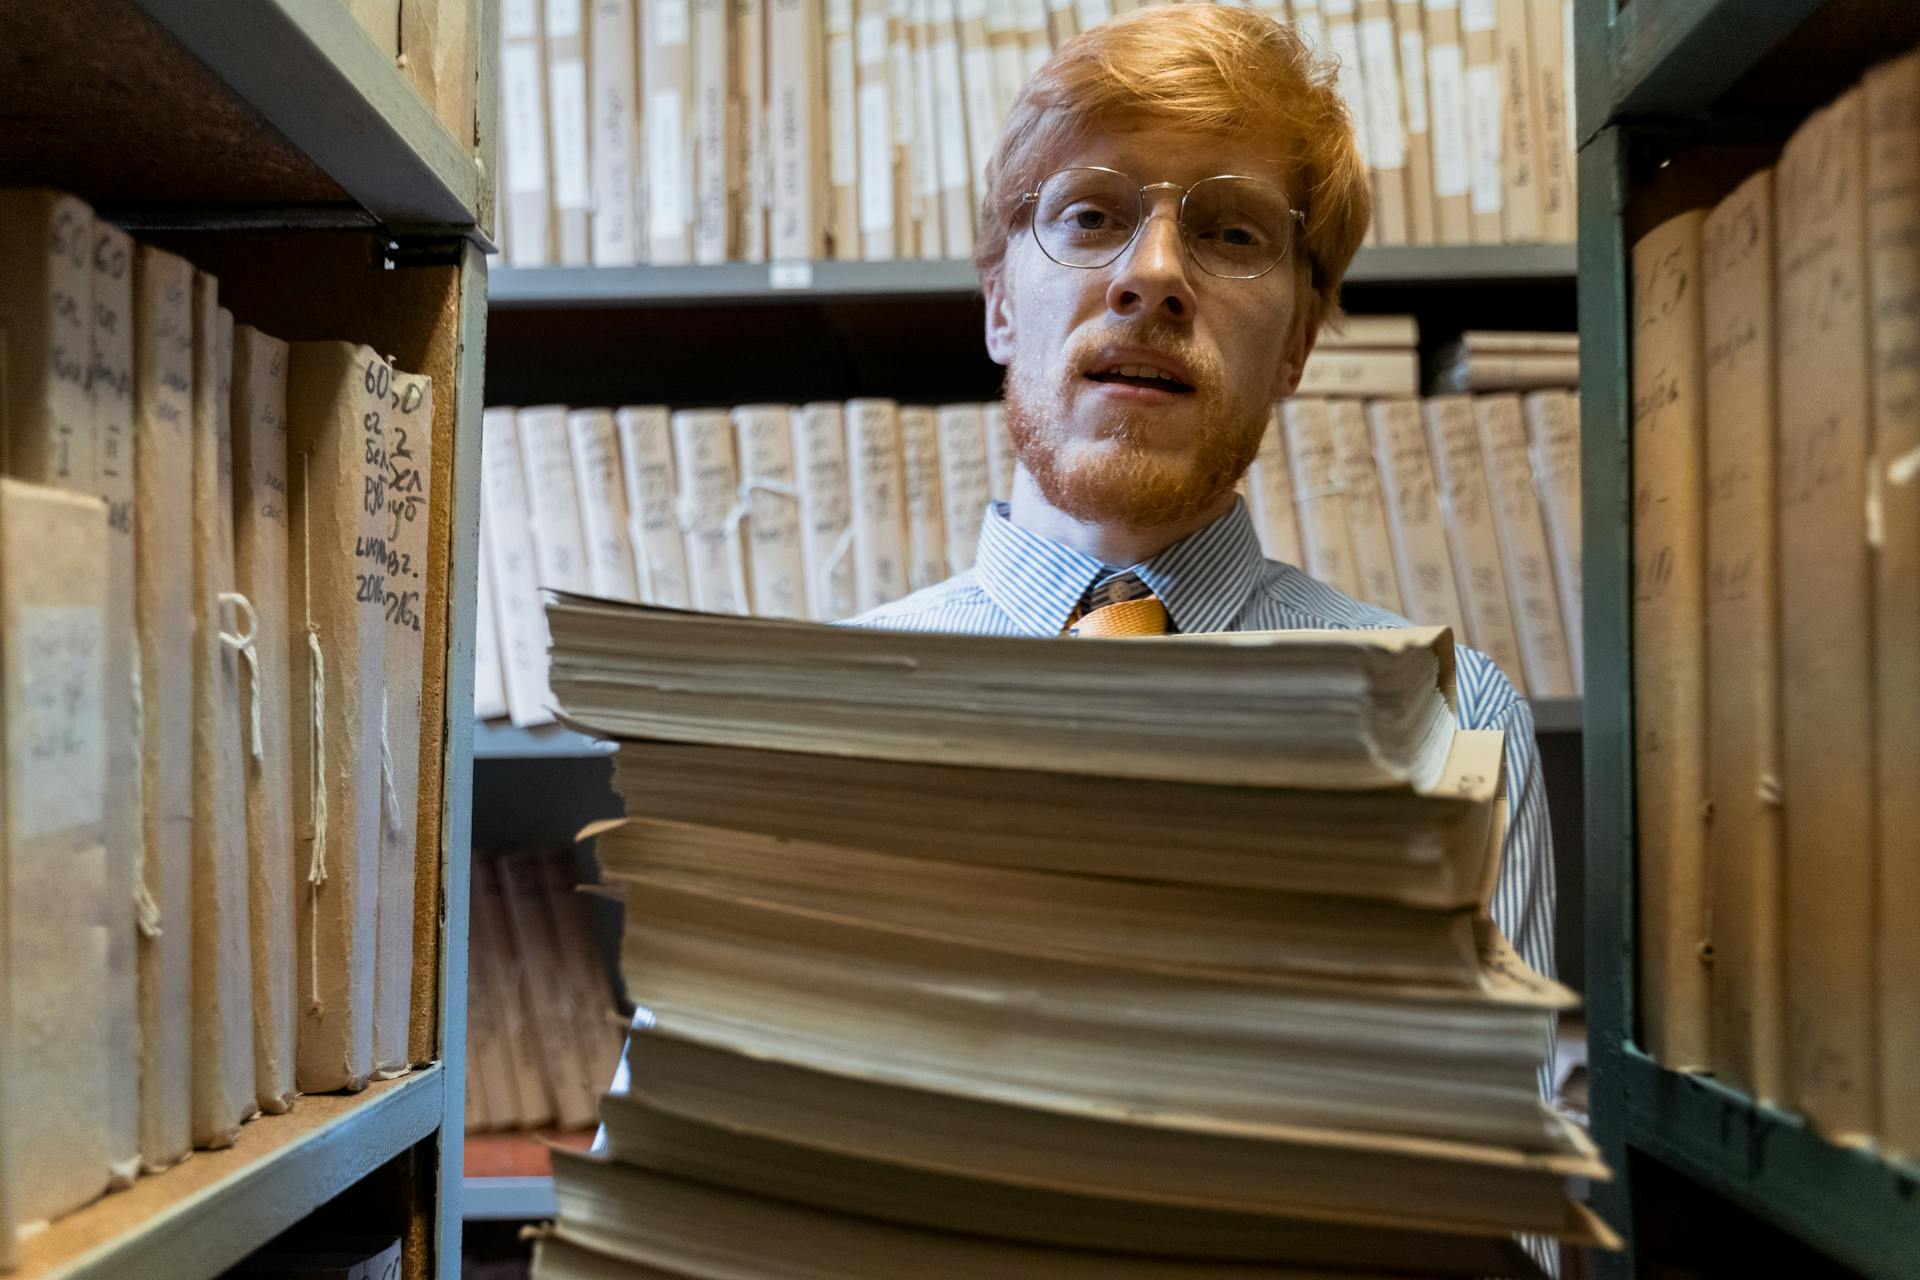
[(1119, 605)]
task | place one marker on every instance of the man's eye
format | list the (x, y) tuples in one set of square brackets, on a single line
[(1089, 220)]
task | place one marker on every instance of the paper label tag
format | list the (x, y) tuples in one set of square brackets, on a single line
[(1413, 76), (971, 10), (1483, 124), (572, 188), (666, 172), (870, 39), (842, 162), (1476, 15), (563, 19), (950, 118), (1093, 12), (525, 136), (876, 159), (1440, 6), (519, 19), (1344, 42), (1449, 120), (1382, 82), (1001, 16), (839, 16), (671, 22), (925, 153), (1033, 15), (790, 275), (57, 732), (1336, 8)]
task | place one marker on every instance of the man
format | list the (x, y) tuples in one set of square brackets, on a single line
[(1166, 222)]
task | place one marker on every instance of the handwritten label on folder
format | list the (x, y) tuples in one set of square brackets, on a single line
[(57, 718)]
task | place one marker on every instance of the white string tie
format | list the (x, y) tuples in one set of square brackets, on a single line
[(837, 605), (244, 646), (1904, 469), (317, 863), (386, 766), (642, 560), (737, 518)]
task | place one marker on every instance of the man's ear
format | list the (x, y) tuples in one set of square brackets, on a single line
[(1306, 332), (999, 315)]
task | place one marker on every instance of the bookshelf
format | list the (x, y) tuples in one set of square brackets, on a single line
[(274, 145), (1704, 1175)]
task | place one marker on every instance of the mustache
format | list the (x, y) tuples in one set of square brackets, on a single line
[(1161, 339)]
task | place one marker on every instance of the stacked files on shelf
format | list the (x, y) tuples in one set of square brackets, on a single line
[(967, 956), (1453, 510), (213, 547), (1776, 656), (664, 131)]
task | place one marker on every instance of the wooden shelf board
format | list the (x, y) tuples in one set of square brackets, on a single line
[(1850, 1203), (737, 282), (182, 113), (201, 1216)]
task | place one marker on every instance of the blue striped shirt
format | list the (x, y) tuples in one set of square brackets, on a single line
[(1023, 584)]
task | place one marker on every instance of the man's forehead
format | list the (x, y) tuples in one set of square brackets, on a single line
[(1182, 156)]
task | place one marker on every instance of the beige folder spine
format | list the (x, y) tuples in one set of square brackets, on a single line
[(1409, 33), (1430, 592), (522, 622), (709, 489), (403, 525), (1745, 984), (488, 1049), (952, 124), (337, 413), (544, 988), (753, 164), (964, 484), (1827, 709), (1479, 44), (567, 129), (110, 388), (1553, 427), (1669, 622), (716, 139), (222, 943), (1386, 121), (1279, 522), (1519, 124), (595, 1019), (53, 870), (437, 51), (1319, 497), (534, 1105), (1341, 41), (1002, 458), (1009, 59), (46, 309), (667, 121), (1552, 150), (826, 509), (594, 446), (876, 476), (907, 160), (796, 66), (1467, 512), (874, 129), (163, 618), (925, 160), (926, 512), (771, 495), (1372, 544), (1452, 141), (613, 141), (560, 550), (1345, 371), (1062, 22), (260, 564), (1893, 227), (843, 155), (653, 512), (1523, 547), (1036, 46), (523, 134), (489, 675)]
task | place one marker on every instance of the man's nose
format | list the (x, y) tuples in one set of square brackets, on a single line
[(1151, 278)]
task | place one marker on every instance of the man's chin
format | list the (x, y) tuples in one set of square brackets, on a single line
[(1115, 482)]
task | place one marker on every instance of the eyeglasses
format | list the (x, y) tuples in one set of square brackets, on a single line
[(1233, 226)]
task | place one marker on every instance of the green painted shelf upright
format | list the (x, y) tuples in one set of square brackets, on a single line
[(1707, 1182)]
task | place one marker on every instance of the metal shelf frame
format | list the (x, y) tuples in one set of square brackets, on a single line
[(318, 79), (281, 1169), (1850, 1204), (578, 288), (510, 1199)]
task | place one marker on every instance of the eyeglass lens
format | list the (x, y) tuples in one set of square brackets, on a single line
[(1233, 226)]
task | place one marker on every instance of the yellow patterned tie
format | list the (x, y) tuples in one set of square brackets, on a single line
[(1121, 606)]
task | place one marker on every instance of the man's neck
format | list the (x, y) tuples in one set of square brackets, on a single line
[(1111, 543)]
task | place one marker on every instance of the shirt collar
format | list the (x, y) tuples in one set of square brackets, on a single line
[(1203, 580)]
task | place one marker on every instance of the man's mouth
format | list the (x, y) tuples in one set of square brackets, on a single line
[(1141, 375)]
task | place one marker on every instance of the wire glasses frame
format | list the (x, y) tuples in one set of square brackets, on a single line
[(1233, 226)]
